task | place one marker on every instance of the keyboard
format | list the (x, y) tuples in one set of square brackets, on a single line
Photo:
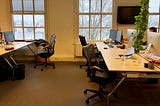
[(119, 46)]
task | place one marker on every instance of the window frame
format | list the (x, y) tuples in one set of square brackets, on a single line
[(155, 14), (33, 13), (101, 13)]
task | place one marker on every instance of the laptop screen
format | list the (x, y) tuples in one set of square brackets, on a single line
[(9, 36)]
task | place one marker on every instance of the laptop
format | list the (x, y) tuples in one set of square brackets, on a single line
[(9, 37)]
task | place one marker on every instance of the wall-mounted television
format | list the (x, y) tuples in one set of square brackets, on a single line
[(126, 14)]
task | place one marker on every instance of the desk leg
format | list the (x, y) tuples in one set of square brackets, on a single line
[(34, 53), (31, 49), (13, 76), (119, 83)]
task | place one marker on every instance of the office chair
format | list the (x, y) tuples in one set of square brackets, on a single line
[(84, 43), (83, 40), (46, 52), (97, 72)]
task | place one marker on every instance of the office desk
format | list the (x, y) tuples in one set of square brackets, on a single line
[(16, 45), (6, 53), (132, 67)]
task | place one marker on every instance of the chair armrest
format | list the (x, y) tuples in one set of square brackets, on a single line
[(43, 44), (97, 68), (46, 47), (40, 42)]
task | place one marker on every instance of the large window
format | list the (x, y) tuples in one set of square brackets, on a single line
[(28, 19), (154, 14), (95, 18)]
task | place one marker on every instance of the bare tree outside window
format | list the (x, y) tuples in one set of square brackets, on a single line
[(95, 19), (154, 13), (28, 19)]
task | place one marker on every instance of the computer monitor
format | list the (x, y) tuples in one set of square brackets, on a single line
[(130, 33), (119, 37), (154, 39), (9, 36), (113, 34)]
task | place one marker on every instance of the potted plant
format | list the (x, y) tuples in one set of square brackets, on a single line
[(141, 22)]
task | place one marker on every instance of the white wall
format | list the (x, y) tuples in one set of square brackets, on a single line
[(5, 20), (61, 21), (126, 3)]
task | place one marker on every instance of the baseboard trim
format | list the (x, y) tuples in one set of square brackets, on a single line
[(72, 59)]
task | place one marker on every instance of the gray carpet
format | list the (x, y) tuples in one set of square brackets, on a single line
[(64, 86)]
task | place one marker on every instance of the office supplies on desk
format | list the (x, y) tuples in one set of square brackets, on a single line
[(106, 41), (110, 45), (147, 50), (149, 65), (119, 56), (8, 47), (121, 46), (156, 61)]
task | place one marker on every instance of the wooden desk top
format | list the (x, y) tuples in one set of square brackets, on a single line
[(114, 63), (15, 45)]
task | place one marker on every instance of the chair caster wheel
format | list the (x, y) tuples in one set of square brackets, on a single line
[(85, 92), (87, 101)]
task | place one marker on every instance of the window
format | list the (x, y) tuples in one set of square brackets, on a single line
[(28, 19), (154, 13), (95, 19)]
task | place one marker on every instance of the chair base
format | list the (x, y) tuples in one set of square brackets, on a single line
[(45, 64), (98, 93), (83, 65)]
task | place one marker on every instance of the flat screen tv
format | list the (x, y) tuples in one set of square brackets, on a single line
[(126, 14)]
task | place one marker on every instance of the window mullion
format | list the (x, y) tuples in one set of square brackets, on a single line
[(89, 20), (159, 19), (101, 21), (34, 19)]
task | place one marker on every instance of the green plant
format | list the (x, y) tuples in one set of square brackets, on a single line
[(141, 22)]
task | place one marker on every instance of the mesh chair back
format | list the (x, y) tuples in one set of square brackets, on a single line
[(82, 40), (89, 52), (52, 44)]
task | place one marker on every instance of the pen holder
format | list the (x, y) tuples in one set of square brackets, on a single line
[(149, 65), (123, 47)]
